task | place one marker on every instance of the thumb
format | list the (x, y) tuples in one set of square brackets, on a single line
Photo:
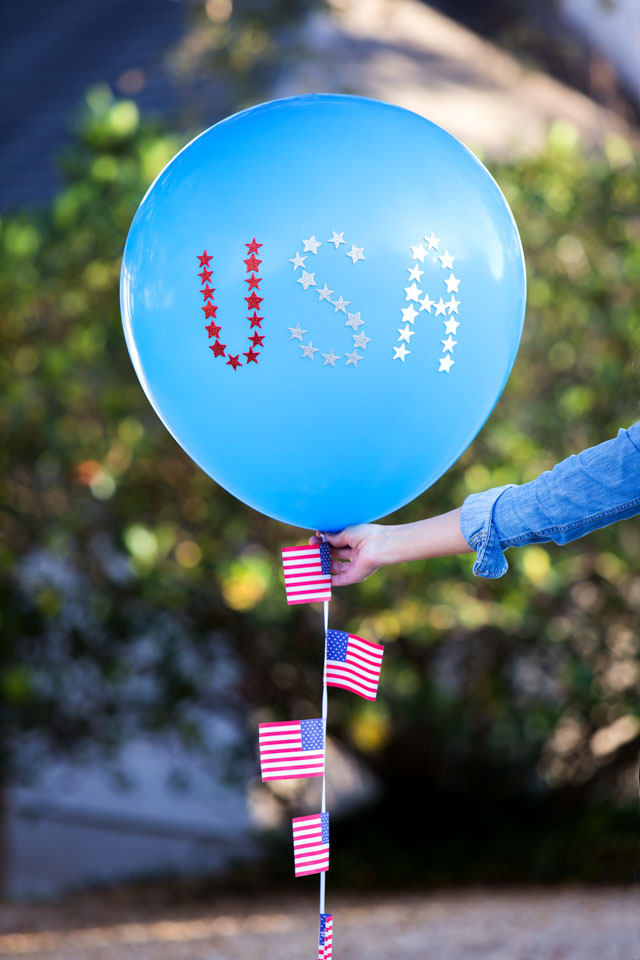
[(340, 539)]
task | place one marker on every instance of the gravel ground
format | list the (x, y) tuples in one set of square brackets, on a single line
[(552, 924)]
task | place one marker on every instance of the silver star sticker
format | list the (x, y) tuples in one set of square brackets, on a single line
[(415, 273), (297, 261), (448, 344), (453, 304), (340, 304), (356, 253), (446, 260), (307, 279), (405, 333), (325, 293), (354, 321), (296, 332), (426, 303), (418, 253), (451, 326), (452, 284), (400, 352), (329, 358), (433, 241), (446, 363), (336, 239), (311, 245), (309, 350), (359, 340), (409, 313), (353, 358), (441, 307), (413, 292)]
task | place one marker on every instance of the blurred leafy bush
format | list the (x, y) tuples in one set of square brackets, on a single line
[(138, 596)]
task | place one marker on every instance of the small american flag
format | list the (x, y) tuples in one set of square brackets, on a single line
[(353, 663), (311, 844), (307, 573), (293, 748), (325, 940)]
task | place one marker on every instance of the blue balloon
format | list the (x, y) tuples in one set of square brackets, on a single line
[(323, 297)]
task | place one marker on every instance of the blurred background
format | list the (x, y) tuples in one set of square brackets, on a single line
[(144, 628)]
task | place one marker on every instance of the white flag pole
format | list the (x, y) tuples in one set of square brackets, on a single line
[(323, 805)]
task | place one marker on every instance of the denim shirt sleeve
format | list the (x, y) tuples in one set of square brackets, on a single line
[(587, 490)]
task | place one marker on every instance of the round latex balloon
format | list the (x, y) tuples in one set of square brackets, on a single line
[(323, 298)]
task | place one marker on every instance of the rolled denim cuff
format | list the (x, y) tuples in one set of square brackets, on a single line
[(478, 528)]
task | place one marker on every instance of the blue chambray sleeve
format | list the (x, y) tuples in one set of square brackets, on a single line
[(587, 490)]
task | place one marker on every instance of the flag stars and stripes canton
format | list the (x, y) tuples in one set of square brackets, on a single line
[(353, 663), (291, 749), (308, 281), (443, 308), (325, 939), (311, 844), (307, 573)]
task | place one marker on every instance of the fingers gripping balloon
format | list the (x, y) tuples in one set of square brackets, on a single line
[(331, 274)]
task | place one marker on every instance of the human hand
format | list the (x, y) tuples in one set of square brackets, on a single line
[(356, 552)]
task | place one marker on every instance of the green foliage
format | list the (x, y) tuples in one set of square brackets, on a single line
[(137, 595)]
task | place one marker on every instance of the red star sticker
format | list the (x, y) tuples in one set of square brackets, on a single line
[(206, 257), (207, 293), (257, 340), (253, 247), (251, 355), (253, 281), (252, 263), (210, 310), (254, 301), (234, 361), (218, 348), (213, 330), (206, 275), (255, 320)]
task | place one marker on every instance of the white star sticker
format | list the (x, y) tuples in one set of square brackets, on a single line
[(307, 279), (340, 304), (359, 340), (452, 284), (433, 241), (329, 358), (409, 313), (448, 344), (354, 321), (405, 333), (353, 358), (418, 253), (453, 304), (413, 292), (311, 245), (400, 352), (441, 307), (415, 273), (451, 326), (356, 253), (426, 303), (297, 261), (309, 350), (445, 259), (325, 293), (446, 363), (336, 239), (296, 332)]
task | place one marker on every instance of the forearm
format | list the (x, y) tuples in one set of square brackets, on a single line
[(423, 540)]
